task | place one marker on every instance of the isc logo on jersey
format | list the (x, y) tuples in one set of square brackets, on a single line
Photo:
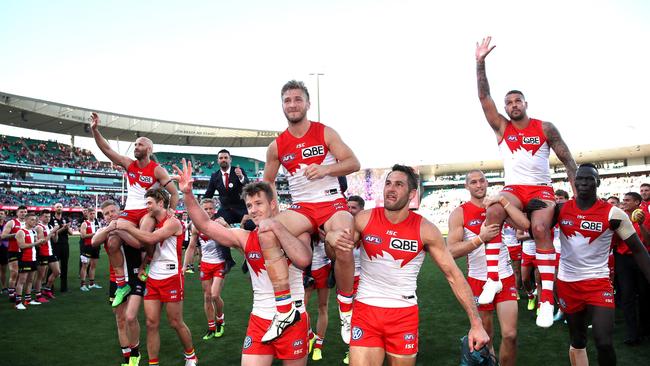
[(146, 179), (405, 245), (530, 140), (312, 151), (591, 226)]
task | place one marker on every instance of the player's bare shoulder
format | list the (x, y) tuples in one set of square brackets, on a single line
[(361, 220), (430, 233)]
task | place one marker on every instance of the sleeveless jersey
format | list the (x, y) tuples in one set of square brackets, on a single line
[(509, 236), (166, 261), (210, 252), (13, 244), (525, 155), (391, 258), (295, 154), (45, 249), (319, 258), (263, 295), (473, 217), (586, 241), (140, 180), (29, 254), (90, 229), (556, 238)]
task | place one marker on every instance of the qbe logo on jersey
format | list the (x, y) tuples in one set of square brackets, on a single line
[(146, 179), (591, 226), (405, 245), (312, 151), (530, 140)]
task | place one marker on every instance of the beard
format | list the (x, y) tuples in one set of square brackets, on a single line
[(518, 117), (300, 117), (397, 205), (224, 165)]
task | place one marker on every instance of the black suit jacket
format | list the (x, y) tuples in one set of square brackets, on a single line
[(231, 197)]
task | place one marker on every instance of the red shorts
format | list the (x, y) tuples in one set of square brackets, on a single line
[(527, 260), (525, 193), (515, 252), (393, 329), (168, 290), (211, 270), (321, 275), (508, 292), (134, 216), (293, 344), (575, 296), (319, 212)]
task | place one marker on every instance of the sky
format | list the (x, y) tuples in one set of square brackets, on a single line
[(399, 81)]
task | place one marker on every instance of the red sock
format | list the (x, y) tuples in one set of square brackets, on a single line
[(344, 300), (546, 260), (492, 249)]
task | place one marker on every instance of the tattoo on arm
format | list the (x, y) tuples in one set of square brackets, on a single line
[(481, 79), (561, 150)]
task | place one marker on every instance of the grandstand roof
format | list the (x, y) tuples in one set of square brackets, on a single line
[(53, 117)]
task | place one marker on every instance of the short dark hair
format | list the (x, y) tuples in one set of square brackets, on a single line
[(515, 91), (45, 212), (645, 185), (295, 84), (108, 203), (253, 188), (158, 194), (635, 196), (359, 200), (30, 213), (21, 207), (562, 193), (223, 151), (613, 197), (592, 166), (412, 177)]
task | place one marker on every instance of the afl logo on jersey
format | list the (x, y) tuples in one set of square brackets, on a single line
[(566, 222), (132, 175), (372, 239), (512, 138), (146, 179), (288, 157), (591, 226), (312, 151), (405, 245), (254, 255), (475, 222), (297, 343), (530, 140), (409, 337)]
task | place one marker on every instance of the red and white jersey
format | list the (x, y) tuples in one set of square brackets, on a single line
[(525, 155), (263, 295), (29, 254), (91, 228), (509, 236), (357, 261), (45, 249), (473, 217), (319, 258), (557, 244), (528, 247), (210, 252), (140, 180), (166, 261), (391, 258), (13, 244), (296, 154), (586, 241)]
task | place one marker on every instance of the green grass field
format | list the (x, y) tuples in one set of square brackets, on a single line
[(79, 328)]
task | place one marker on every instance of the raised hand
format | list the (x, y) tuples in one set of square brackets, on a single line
[(184, 176), (239, 173), (483, 49), (94, 121)]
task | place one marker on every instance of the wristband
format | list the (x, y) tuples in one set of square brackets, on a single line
[(476, 242)]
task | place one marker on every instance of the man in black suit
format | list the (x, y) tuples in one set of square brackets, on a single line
[(228, 181)]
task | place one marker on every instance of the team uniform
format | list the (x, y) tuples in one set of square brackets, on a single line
[(528, 253), (187, 229), (480, 258), (317, 199), (212, 260), (385, 310), (509, 239), (294, 343), (45, 253), (88, 251), (357, 267), (27, 262), (132, 262), (140, 180), (321, 266), (583, 275), (165, 282), (13, 251), (557, 243)]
